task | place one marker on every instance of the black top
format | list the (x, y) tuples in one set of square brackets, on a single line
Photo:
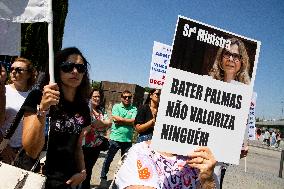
[(144, 115), (66, 124)]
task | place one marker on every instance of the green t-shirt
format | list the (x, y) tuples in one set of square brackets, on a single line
[(122, 133)]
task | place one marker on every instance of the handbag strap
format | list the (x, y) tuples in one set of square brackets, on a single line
[(43, 153), (37, 88), (15, 123), (9, 132)]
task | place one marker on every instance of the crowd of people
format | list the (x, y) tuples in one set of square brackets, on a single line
[(67, 119), (270, 138)]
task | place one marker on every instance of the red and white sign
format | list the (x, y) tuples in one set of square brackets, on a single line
[(160, 62)]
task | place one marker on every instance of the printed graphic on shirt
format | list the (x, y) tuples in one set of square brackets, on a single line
[(69, 124), (91, 138), (173, 173), (144, 171)]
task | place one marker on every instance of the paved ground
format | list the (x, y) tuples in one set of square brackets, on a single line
[(262, 169)]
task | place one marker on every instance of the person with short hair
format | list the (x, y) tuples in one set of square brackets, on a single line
[(123, 115)]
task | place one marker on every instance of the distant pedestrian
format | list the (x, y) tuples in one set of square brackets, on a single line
[(258, 133), (267, 138), (273, 139), (278, 139)]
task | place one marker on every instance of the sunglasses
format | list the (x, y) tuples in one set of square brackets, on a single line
[(18, 69), (68, 67), (126, 97), (228, 54), (157, 94)]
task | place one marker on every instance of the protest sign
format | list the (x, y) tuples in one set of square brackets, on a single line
[(25, 11), (160, 62), (251, 118), (207, 93), (14, 12), (10, 38)]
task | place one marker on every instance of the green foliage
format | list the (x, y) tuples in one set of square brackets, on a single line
[(148, 89), (96, 84)]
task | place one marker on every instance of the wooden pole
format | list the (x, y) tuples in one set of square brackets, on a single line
[(281, 164)]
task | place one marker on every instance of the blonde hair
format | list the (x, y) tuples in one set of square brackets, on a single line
[(242, 75)]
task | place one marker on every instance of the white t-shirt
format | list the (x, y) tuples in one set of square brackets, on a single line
[(143, 166), (14, 101)]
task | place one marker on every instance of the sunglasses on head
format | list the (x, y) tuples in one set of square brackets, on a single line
[(126, 97), (18, 69), (69, 67)]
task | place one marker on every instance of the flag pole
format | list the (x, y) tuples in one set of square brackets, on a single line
[(50, 45), (245, 164)]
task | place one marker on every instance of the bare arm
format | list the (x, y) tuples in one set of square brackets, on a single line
[(101, 124), (33, 134), (123, 121), (143, 127), (34, 125)]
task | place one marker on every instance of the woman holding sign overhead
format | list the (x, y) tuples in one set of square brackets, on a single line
[(232, 64), (146, 116)]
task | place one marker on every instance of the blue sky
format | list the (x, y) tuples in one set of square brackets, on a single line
[(117, 38)]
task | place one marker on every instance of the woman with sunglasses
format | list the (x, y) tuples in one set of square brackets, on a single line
[(146, 116), (94, 140), (66, 102), (22, 78), (232, 65)]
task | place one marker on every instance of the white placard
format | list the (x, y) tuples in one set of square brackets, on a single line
[(10, 38), (25, 11), (251, 118), (160, 62), (200, 110)]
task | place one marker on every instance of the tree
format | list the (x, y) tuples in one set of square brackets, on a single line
[(96, 84), (148, 89), (34, 41)]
